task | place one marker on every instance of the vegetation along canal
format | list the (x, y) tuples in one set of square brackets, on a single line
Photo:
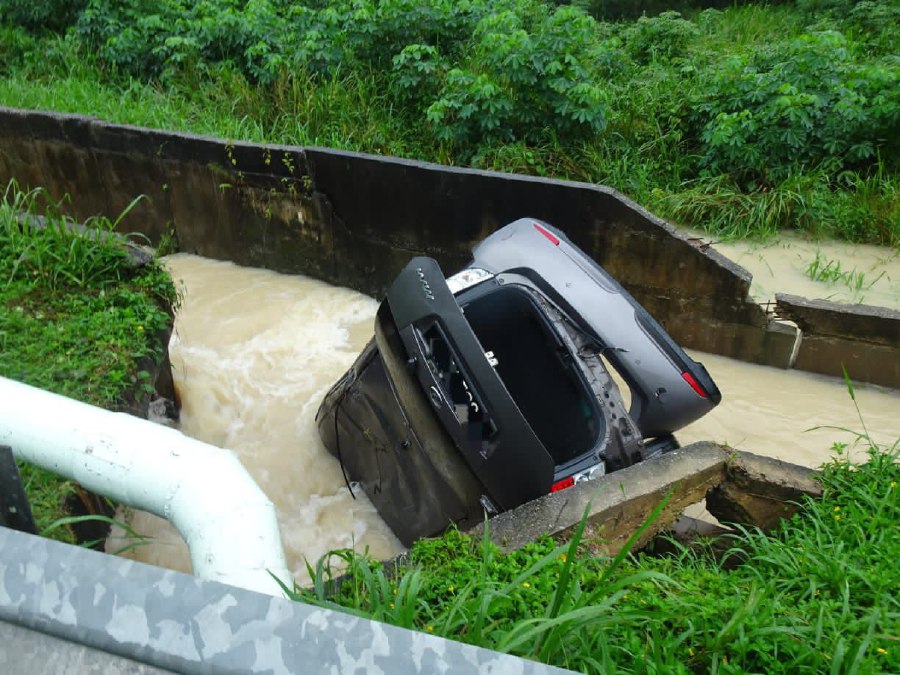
[(254, 352)]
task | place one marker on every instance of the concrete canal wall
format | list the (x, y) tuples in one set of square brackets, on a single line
[(355, 220)]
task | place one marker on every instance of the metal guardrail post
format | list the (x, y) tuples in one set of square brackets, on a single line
[(15, 511)]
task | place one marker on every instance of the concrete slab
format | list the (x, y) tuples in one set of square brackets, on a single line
[(761, 491), (617, 503)]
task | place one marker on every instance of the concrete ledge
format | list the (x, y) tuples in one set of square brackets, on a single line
[(143, 614), (864, 339), (879, 325), (619, 502), (768, 343), (760, 491), (739, 487)]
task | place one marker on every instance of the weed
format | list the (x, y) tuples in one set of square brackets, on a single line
[(816, 595), (75, 319), (830, 271)]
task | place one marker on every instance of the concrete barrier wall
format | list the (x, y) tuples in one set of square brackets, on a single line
[(355, 219), (65, 609)]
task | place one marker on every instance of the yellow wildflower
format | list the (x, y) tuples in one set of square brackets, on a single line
[(429, 628), (881, 651), (526, 585), (140, 328)]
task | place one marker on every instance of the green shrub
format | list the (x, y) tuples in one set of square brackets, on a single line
[(529, 73), (876, 23), (159, 37), (801, 104), (15, 45), (661, 37), (370, 33), (816, 8), (55, 15)]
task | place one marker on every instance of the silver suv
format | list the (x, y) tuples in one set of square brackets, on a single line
[(489, 389)]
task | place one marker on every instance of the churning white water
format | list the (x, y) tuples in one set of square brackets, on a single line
[(254, 353)]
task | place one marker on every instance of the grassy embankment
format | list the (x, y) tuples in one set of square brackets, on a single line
[(741, 121), (817, 596), (75, 319)]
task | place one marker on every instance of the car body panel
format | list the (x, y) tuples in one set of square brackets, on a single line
[(463, 402), (653, 365)]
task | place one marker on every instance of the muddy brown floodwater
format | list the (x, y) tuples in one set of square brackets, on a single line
[(819, 270), (255, 351)]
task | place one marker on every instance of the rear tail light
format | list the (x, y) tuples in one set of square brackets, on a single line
[(553, 240), (596, 471), (563, 484), (691, 381)]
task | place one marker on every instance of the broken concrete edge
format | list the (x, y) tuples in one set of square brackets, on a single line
[(761, 491), (175, 621), (747, 489), (862, 340), (880, 325)]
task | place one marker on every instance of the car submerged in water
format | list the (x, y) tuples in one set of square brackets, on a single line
[(489, 389)]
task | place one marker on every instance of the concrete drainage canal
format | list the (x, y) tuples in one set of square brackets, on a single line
[(255, 351)]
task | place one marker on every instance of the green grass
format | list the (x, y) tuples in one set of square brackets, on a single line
[(829, 271), (818, 595), (651, 147), (75, 319)]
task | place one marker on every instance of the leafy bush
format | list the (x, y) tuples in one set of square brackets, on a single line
[(15, 45), (661, 37), (149, 39), (815, 8), (616, 10), (56, 15), (370, 33), (876, 22), (800, 104), (477, 71), (528, 71)]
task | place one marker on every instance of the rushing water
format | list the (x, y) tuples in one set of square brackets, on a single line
[(254, 352)]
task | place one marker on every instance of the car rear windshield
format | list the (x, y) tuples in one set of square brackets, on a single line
[(538, 370)]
